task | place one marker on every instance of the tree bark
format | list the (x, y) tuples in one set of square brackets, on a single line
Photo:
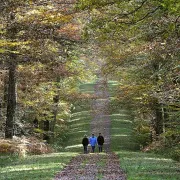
[(12, 63), (159, 120), (5, 92), (55, 112), (11, 101)]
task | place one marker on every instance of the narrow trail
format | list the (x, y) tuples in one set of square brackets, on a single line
[(96, 166)]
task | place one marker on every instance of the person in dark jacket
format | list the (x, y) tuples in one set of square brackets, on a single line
[(85, 143), (100, 141)]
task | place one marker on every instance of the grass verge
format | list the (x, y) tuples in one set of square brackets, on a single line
[(79, 126), (34, 167), (138, 165)]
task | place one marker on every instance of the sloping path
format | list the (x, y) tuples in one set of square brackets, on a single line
[(96, 166)]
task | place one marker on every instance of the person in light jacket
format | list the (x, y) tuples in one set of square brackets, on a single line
[(93, 142)]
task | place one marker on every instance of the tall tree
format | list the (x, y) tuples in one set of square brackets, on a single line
[(12, 63), (38, 23)]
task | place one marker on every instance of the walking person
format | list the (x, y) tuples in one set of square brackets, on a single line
[(100, 141), (93, 142), (85, 143)]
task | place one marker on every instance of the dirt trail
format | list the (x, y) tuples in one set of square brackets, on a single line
[(101, 121), (92, 167), (96, 166)]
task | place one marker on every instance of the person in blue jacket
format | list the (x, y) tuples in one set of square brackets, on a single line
[(93, 142)]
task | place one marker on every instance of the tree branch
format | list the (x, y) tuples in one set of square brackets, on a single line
[(147, 15), (135, 10), (141, 19), (177, 25)]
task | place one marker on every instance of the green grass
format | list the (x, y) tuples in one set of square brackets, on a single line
[(121, 132), (79, 126), (87, 88), (138, 165), (148, 166), (79, 123), (38, 167)]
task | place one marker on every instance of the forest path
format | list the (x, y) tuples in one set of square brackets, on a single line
[(104, 166), (96, 166)]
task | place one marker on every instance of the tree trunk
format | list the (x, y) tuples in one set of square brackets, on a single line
[(163, 119), (55, 112), (159, 120), (12, 63), (1, 107), (11, 101), (5, 91)]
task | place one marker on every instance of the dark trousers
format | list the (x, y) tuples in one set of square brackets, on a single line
[(93, 148), (100, 148), (85, 149)]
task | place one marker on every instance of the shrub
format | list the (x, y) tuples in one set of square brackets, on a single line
[(8, 146), (175, 154), (23, 146), (172, 137), (142, 133), (35, 146), (142, 139)]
